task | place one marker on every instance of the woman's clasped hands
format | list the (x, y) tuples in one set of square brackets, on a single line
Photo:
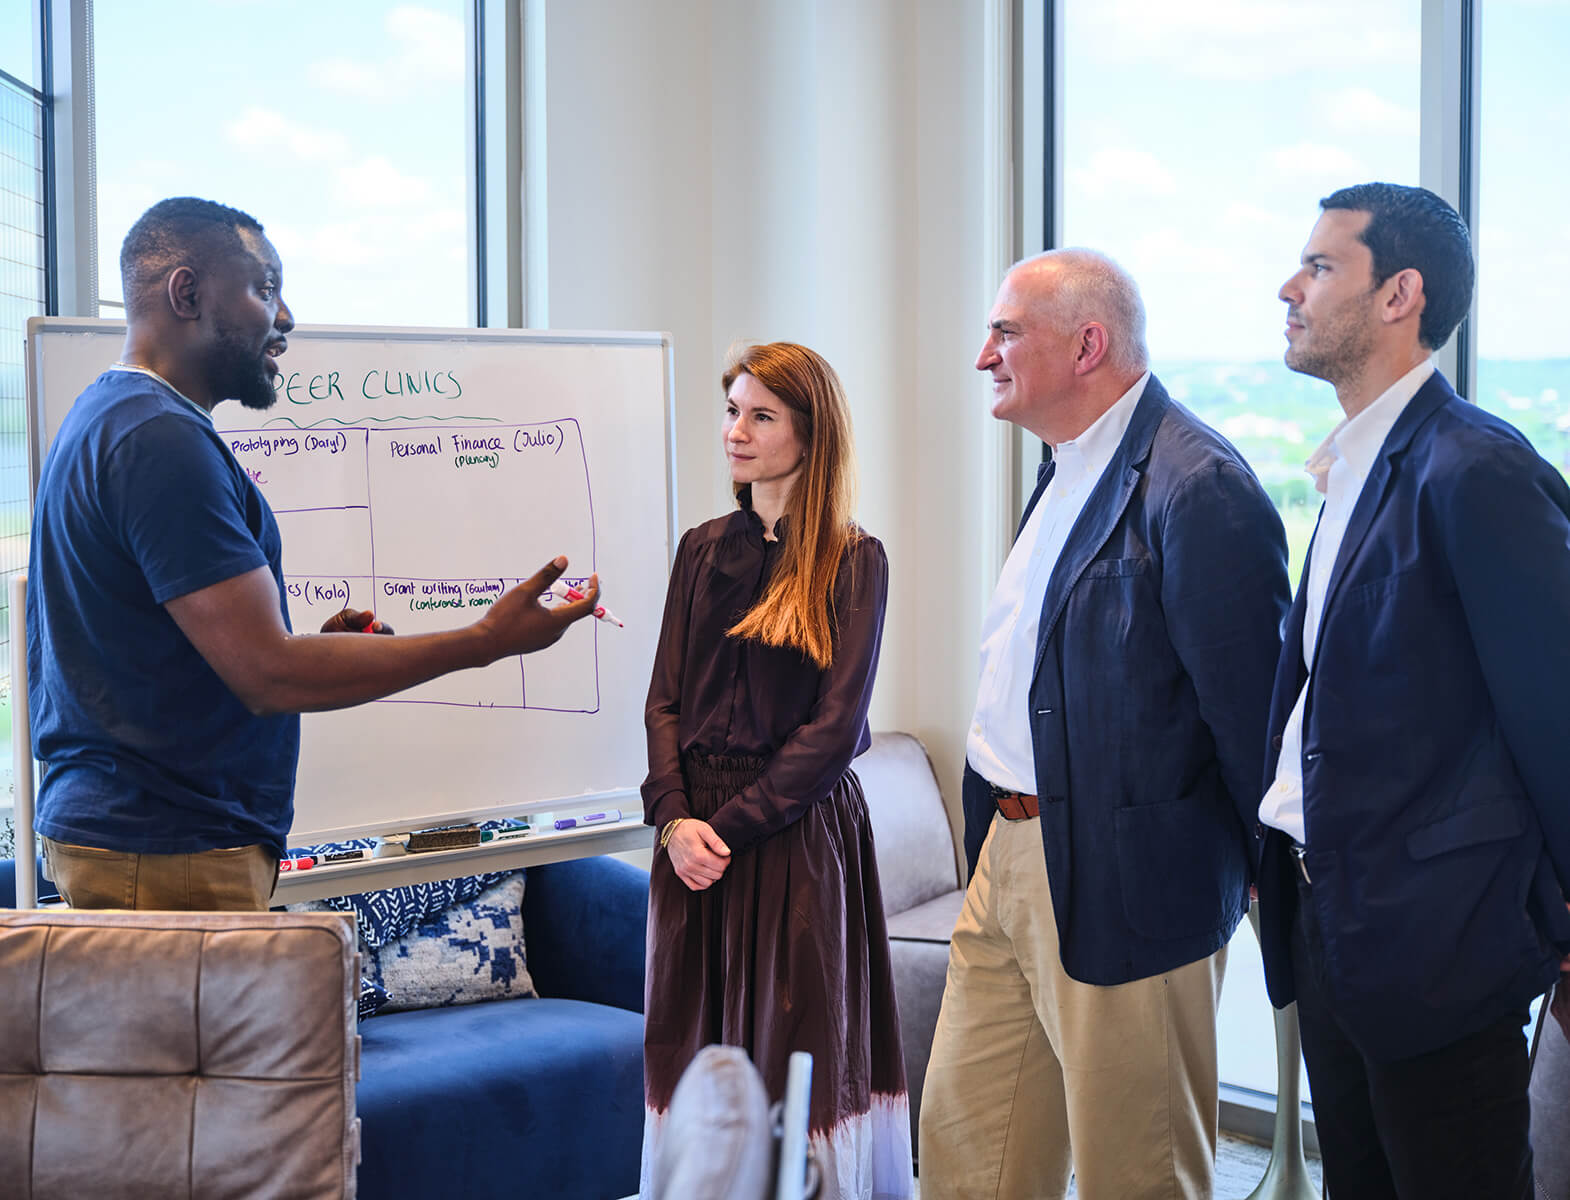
[(697, 854)]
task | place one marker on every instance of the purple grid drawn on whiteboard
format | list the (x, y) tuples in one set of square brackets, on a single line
[(370, 509), (594, 558), (370, 512), (326, 508)]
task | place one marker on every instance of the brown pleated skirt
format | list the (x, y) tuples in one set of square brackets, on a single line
[(788, 951)]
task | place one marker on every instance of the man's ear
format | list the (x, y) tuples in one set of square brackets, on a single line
[(1091, 348), (182, 292), (1403, 296)]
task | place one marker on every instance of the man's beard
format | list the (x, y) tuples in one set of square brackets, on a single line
[(1338, 346), (240, 371)]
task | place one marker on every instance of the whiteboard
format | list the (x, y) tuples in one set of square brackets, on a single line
[(418, 473)]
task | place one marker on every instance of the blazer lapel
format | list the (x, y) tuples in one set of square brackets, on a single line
[(1043, 477), (1103, 510), (1434, 393), (1297, 615)]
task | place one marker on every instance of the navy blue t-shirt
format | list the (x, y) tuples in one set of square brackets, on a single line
[(148, 751)]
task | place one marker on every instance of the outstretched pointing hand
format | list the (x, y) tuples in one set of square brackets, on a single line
[(519, 624)]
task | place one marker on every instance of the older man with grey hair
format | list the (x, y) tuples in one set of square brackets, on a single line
[(1112, 769)]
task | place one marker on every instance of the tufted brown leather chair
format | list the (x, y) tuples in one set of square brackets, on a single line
[(201, 1055)]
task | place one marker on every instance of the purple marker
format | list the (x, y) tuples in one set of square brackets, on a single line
[(599, 818)]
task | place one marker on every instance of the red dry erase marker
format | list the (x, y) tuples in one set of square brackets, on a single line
[(303, 863), (370, 625), (565, 591)]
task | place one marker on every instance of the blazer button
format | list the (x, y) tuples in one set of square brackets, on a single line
[(1276, 741), (1053, 799)]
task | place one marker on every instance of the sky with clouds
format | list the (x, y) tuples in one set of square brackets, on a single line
[(1199, 139), (339, 126), (16, 40), (1523, 238)]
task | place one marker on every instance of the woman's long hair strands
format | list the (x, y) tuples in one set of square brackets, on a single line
[(797, 607)]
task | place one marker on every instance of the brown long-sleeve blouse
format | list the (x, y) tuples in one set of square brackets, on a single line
[(715, 694)]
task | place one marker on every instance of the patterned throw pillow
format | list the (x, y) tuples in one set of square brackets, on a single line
[(387, 915), (373, 998), (469, 952)]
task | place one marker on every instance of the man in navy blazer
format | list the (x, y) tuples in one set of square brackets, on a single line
[(1417, 833), (1111, 773)]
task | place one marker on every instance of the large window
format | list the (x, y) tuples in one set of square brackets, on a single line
[(22, 295), (1523, 235), (1196, 142), (18, 41), (339, 126)]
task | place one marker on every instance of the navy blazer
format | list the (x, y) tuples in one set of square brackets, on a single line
[(1436, 753), (1159, 635)]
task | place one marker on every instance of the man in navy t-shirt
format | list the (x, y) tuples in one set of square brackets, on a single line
[(165, 681)]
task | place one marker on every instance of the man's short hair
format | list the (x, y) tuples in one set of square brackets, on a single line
[(179, 231), (1091, 286), (1412, 227)]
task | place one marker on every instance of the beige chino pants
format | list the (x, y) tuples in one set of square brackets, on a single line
[(1034, 1075), (230, 880)]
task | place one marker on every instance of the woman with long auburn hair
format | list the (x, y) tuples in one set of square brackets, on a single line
[(766, 926)]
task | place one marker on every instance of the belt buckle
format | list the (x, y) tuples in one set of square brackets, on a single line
[(1007, 802), (1298, 851)]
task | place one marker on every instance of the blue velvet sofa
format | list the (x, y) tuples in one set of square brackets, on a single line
[(516, 1098)]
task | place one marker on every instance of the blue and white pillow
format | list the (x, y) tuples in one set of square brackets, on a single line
[(373, 998), (387, 915), (469, 952)]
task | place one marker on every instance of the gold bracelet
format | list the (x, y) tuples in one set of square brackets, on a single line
[(670, 828)]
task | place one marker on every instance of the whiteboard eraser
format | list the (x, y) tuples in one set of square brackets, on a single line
[(457, 837)]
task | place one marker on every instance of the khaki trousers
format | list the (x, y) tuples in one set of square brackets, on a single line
[(230, 880), (1034, 1074)]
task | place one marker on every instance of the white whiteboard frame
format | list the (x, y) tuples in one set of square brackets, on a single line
[(22, 749), (629, 833)]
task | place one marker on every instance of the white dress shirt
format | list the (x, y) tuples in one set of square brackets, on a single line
[(998, 746), (1340, 467)]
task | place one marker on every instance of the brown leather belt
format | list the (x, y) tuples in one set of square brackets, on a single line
[(1014, 806)]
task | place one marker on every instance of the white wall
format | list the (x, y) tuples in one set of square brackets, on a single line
[(807, 170), (628, 197)]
